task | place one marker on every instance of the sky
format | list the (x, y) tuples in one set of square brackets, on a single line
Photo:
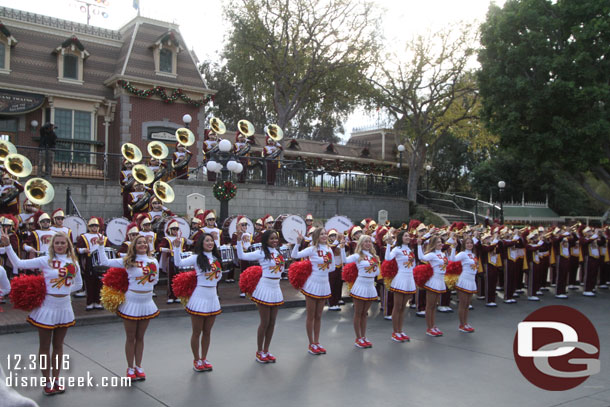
[(203, 26)]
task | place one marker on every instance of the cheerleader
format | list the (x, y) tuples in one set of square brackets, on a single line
[(267, 295), (436, 285), (466, 285), (5, 284), (85, 245), (62, 277), (403, 284), (317, 287), (363, 291), (203, 304), (167, 249), (138, 308)]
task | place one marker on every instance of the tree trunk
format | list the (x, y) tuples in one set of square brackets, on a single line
[(416, 163)]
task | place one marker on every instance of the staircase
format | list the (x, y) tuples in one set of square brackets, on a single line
[(456, 208)]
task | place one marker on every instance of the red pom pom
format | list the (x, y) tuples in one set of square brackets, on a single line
[(28, 292), (349, 273), (454, 268), (184, 284), (248, 280), (298, 273), (116, 277), (389, 269), (422, 273)]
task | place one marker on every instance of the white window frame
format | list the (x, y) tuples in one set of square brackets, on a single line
[(70, 50), (175, 48), (8, 42), (92, 157)]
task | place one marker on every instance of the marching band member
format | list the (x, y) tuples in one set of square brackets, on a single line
[(267, 295), (334, 277), (604, 274), (58, 217), (167, 250), (532, 245), (317, 287), (575, 262), (492, 263), (421, 232), (466, 285), (181, 154), (270, 152), (196, 224), (403, 285), (62, 277), (268, 222), (138, 308), (436, 285), (140, 192), (86, 243), (203, 304), (131, 233), (8, 222), (258, 231), (157, 210), (563, 265), (363, 291), (386, 296), (26, 234), (209, 217), (308, 221), (240, 144), (125, 179), (156, 165), (9, 185), (41, 238), (210, 140), (591, 255), (240, 226), (29, 209), (145, 226)]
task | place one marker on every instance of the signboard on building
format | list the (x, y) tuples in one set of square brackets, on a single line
[(12, 102)]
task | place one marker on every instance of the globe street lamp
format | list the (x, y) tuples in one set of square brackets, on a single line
[(187, 119), (428, 168), (224, 162), (401, 149), (501, 185)]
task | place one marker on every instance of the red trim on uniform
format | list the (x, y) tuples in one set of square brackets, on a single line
[(39, 325), (434, 291), (362, 298), (317, 297), (125, 316), (202, 314), (396, 290), (270, 304), (465, 290)]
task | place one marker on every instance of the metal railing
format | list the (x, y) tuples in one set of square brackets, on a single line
[(458, 205), (79, 163)]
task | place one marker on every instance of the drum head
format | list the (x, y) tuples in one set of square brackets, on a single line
[(291, 226), (185, 228), (233, 227), (77, 225), (340, 223), (115, 230)]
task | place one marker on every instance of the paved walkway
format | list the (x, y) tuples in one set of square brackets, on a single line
[(457, 369)]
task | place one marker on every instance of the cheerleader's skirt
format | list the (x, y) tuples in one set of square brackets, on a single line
[(317, 286), (204, 302), (55, 312), (138, 306), (364, 289), (268, 292)]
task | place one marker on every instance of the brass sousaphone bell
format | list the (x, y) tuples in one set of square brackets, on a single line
[(131, 153), (245, 127), (39, 191), (142, 174), (18, 165), (217, 126), (274, 132), (157, 150), (185, 137), (6, 148), (164, 192)]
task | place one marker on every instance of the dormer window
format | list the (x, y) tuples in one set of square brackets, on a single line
[(70, 57), (7, 41), (165, 52)]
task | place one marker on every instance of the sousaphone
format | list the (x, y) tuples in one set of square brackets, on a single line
[(157, 150), (18, 165), (6, 148), (142, 174), (39, 191), (274, 132), (185, 137), (164, 192), (245, 127), (131, 152), (217, 126)]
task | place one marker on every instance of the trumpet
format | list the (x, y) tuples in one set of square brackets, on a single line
[(131, 152), (185, 137), (217, 126), (274, 132), (6, 148), (157, 150), (18, 165), (245, 127), (39, 191)]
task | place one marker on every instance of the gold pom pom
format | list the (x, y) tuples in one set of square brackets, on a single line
[(451, 280), (387, 282), (184, 300), (111, 298)]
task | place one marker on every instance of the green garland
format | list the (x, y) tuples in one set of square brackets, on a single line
[(224, 191), (176, 94)]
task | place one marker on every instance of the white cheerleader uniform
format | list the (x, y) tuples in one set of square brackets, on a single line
[(403, 282), (438, 261), (143, 277), (204, 300), (5, 284), (267, 291), (61, 277), (368, 269), (322, 262), (470, 266)]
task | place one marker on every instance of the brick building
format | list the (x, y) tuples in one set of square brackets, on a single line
[(84, 79)]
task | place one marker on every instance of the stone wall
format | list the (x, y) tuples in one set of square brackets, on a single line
[(96, 198)]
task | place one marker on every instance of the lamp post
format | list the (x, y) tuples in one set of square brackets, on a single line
[(224, 162), (501, 185), (401, 149), (187, 119), (428, 168)]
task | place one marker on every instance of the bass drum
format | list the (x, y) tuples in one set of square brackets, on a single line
[(229, 227), (77, 225), (340, 223), (288, 227), (115, 230), (185, 228)]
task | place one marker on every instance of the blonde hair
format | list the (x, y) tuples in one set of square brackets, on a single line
[(358, 249), (315, 236), (432, 244), (69, 252), (130, 258)]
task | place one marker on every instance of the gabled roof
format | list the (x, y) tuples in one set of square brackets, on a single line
[(74, 43), (170, 37), (5, 31)]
